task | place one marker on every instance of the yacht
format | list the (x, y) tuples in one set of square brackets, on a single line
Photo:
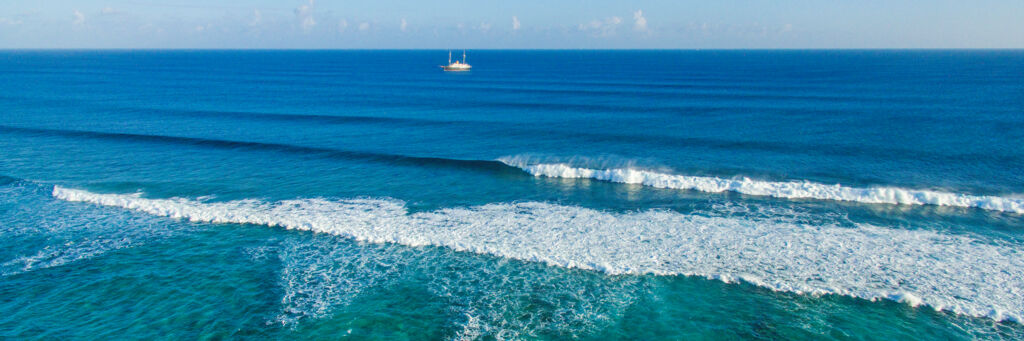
[(457, 65)]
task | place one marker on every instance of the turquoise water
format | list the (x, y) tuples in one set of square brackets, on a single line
[(706, 194)]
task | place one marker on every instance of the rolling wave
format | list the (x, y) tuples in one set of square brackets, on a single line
[(626, 175), (286, 117), (6, 180), (775, 189), (952, 273), (485, 165)]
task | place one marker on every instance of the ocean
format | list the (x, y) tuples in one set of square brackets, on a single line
[(853, 194)]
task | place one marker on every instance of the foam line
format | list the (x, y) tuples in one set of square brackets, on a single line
[(786, 190), (947, 272)]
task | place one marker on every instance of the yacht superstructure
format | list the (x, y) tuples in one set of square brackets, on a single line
[(457, 65)]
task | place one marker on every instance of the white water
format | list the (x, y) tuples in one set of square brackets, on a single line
[(57, 255), (787, 190), (947, 272)]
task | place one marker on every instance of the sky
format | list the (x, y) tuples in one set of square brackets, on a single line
[(525, 24)]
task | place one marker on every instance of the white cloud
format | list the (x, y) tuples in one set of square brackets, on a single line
[(601, 28), (109, 10), (515, 23), (200, 28), (639, 22), (8, 21), (308, 23), (342, 25), (304, 14), (79, 18), (363, 26), (257, 18), (484, 26), (734, 30), (404, 25)]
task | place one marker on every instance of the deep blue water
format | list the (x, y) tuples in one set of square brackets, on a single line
[(544, 194)]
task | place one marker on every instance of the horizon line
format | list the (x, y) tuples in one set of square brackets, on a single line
[(513, 49)]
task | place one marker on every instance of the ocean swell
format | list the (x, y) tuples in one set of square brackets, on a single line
[(776, 189), (947, 272)]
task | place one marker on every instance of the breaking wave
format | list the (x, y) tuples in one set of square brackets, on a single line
[(41, 232), (952, 273), (776, 189)]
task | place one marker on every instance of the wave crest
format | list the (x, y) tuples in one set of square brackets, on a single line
[(776, 189)]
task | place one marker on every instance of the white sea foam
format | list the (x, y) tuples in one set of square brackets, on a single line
[(317, 278), (954, 273), (57, 255), (46, 233), (788, 190)]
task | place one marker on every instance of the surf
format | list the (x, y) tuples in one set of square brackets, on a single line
[(774, 189), (953, 273)]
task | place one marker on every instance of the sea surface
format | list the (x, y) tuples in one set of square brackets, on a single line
[(543, 195)]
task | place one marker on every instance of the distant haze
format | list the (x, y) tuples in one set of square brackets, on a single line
[(530, 24)]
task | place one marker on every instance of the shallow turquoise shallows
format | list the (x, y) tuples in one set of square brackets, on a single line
[(542, 195)]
